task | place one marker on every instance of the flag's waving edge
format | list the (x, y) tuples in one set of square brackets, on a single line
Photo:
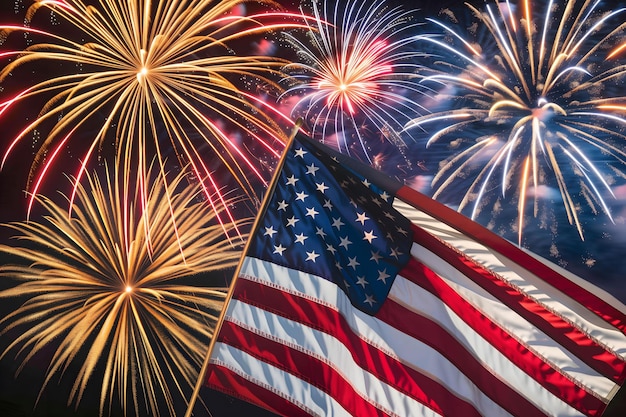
[(358, 296)]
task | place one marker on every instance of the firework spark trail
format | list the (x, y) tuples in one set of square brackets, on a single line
[(533, 100), (355, 69), (129, 317), (152, 76)]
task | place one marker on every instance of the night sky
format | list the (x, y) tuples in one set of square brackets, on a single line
[(599, 257)]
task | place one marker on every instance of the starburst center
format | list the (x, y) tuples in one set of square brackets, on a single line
[(141, 74), (129, 289), (546, 109), (143, 68), (540, 113)]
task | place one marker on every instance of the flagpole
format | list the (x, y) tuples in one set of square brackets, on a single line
[(255, 226)]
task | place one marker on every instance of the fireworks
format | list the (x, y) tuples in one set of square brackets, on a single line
[(150, 77), (129, 318), (529, 99), (355, 73)]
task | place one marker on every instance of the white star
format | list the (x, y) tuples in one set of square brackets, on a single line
[(331, 249), (301, 238), (310, 256), (282, 205), (337, 223), (376, 257), (311, 212), (345, 242), (292, 221), (269, 231), (300, 152), (310, 169), (377, 202), (383, 275), (366, 183), (279, 249), (328, 204), (361, 217), (395, 252), (385, 196), (321, 187), (389, 215), (362, 281), (369, 299), (338, 266), (401, 230), (369, 236), (346, 284), (320, 232), (292, 180), (353, 262), (301, 196)]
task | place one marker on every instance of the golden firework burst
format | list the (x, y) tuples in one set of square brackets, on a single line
[(134, 317)]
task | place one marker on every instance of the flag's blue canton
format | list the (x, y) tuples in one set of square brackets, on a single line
[(332, 224)]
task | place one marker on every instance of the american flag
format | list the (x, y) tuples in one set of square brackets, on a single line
[(361, 297)]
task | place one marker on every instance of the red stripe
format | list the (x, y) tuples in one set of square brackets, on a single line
[(223, 379), (481, 234), (551, 379), (566, 335), (304, 366), (405, 379)]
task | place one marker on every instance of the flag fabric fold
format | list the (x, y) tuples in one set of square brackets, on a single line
[(358, 296)]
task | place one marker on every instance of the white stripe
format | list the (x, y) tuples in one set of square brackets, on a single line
[(377, 333), (297, 391), (327, 349), (533, 286), (515, 325)]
